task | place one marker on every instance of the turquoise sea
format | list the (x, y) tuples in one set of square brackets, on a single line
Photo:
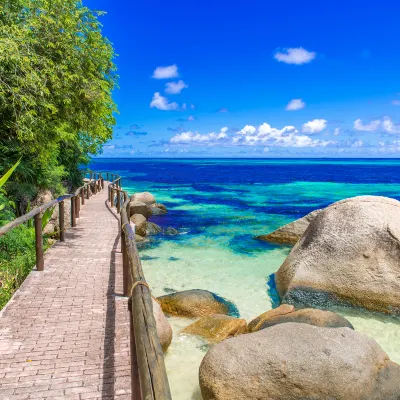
[(219, 206)]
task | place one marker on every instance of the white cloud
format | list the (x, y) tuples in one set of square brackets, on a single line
[(162, 103), (370, 127), (295, 104), (296, 56), (175, 87), (358, 143), (197, 138), (389, 127), (191, 118), (336, 132), (286, 137), (171, 71), (314, 126), (184, 106), (396, 102)]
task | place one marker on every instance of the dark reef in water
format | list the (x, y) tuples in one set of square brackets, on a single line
[(273, 292), (232, 309)]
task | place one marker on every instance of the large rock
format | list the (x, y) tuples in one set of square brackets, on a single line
[(194, 303), (145, 197), (290, 233), (350, 254), (44, 196), (299, 361), (154, 210), (312, 316), (140, 223), (138, 207), (217, 327), (164, 329), (256, 323), (152, 229)]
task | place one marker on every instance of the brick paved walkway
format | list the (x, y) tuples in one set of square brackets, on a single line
[(65, 333)]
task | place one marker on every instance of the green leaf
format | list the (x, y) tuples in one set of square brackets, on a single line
[(7, 175), (46, 217)]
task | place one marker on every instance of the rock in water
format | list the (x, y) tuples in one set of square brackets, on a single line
[(194, 303), (312, 316), (152, 229), (145, 197), (138, 207), (164, 329), (154, 210), (256, 323), (140, 224), (171, 231), (290, 233), (350, 254), (299, 361), (217, 327)]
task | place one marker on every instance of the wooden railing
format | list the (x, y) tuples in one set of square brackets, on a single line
[(148, 375), (96, 183)]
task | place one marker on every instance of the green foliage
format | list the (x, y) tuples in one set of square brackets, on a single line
[(6, 204), (56, 81), (17, 256), (46, 216)]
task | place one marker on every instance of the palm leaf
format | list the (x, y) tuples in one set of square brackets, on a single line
[(46, 216), (7, 175)]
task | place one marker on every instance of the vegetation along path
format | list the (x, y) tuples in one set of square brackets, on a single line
[(65, 333)]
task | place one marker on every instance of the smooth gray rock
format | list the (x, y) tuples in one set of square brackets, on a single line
[(290, 233), (145, 197), (350, 254), (164, 329), (154, 210), (171, 231), (138, 207), (140, 223), (299, 361), (152, 229)]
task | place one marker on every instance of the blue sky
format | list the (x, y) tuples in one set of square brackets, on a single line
[(255, 79)]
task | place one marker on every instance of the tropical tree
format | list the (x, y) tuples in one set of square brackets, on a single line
[(56, 80)]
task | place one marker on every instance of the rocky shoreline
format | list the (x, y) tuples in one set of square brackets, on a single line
[(346, 253)]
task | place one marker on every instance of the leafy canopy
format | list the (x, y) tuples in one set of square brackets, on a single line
[(56, 80)]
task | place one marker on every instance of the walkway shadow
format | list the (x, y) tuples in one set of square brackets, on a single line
[(110, 331)]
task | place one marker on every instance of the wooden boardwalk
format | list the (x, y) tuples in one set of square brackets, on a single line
[(65, 333)]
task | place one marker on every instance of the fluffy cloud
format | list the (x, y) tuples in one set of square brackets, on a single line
[(196, 138), (389, 127), (266, 135), (191, 118), (295, 104), (175, 87), (314, 126), (171, 71), (336, 132), (396, 102), (162, 103), (296, 56), (370, 127)]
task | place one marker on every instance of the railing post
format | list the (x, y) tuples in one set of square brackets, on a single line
[(112, 197), (73, 213), (83, 196), (39, 243), (91, 174), (61, 213), (118, 201), (107, 176), (128, 211), (102, 182), (94, 188), (77, 206)]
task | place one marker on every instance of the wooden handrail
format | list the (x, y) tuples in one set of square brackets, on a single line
[(37, 214), (148, 375)]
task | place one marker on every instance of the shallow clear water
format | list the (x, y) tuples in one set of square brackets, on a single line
[(218, 207)]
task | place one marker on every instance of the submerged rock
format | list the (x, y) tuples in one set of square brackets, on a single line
[(290, 233), (299, 361), (311, 316), (256, 323), (145, 197), (152, 229), (217, 327), (155, 210), (164, 329), (140, 224), (194, 303), (349, 255), (138, 207), (171, 232)]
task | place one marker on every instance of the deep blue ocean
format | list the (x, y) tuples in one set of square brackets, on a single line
[(218, 207)]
